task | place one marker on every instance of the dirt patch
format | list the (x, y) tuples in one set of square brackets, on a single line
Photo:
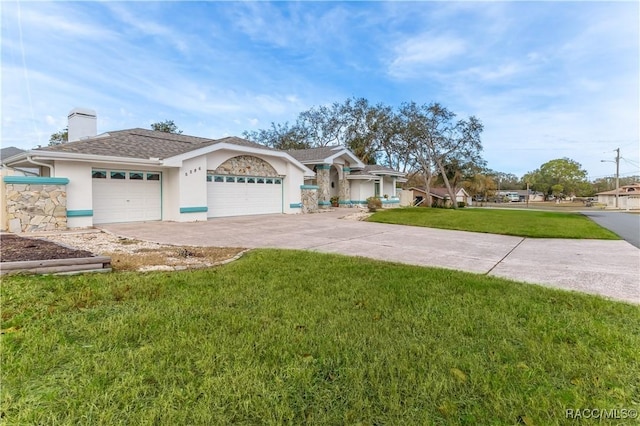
[(171, 258), (16, 249), (126, 254)]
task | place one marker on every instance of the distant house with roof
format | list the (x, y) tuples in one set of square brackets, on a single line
[(439, 196), (12, 151), (628, 197)]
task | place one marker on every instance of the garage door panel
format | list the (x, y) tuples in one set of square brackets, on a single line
[(126, 200), (243, 198)]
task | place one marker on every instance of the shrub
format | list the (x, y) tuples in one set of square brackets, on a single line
[(461, 204), (374, 203)]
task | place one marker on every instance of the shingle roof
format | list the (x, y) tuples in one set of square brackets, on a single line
[(10, 151), (377, 168), (632, 189), (313, 154), (142, 143)]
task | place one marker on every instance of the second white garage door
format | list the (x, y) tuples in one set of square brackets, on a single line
[(243, 195)]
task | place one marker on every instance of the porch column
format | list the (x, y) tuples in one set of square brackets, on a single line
[(324, 185), (344, 187)]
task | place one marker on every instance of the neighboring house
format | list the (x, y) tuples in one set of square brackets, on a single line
[(628, 197), (140, 175), (439, 196), (12, 151), (339, 173)]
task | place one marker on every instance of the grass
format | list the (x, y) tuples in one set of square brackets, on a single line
[(290, 337), (533, 224)]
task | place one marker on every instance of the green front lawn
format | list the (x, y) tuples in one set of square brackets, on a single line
[(535, 224), (291, 337)]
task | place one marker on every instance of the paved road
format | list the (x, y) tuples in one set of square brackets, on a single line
[(626, 225), (606, 268)]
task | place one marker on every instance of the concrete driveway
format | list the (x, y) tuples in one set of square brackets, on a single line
[(606, 268)]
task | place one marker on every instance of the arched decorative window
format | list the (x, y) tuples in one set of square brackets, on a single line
[(246, 165)]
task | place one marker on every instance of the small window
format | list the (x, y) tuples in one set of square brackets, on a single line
[(251, 180), (277, 181), (209, 178), (153, 176), (99, 174), (136, 176), (240, 179), (231, 179), (260, 180), (118, 175), (269, 181), (218, 179)]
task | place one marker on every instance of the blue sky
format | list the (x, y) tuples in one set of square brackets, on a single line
[(547, 79)]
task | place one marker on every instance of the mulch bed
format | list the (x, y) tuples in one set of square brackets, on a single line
[(15, 249)]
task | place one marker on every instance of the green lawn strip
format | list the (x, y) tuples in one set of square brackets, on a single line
[(288, 337), (534, 224)]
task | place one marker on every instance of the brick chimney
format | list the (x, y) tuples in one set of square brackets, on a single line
[(82, 124)]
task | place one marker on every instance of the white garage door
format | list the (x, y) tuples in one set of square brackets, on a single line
[(243, 195), (126, 196)]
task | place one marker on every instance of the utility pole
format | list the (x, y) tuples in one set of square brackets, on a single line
[(617, 176)]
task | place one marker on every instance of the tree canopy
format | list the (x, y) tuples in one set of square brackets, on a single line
[(419, 139), (60, 137), (560, 177), (167, 126)]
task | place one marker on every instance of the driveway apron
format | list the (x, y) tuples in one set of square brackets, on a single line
[(606, 268)]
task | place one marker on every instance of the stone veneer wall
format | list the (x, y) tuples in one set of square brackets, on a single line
[(309, 200), (345, 188), (324, 185), (246, 165), (33, 207)]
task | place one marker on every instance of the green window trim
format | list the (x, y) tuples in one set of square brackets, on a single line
[(198, 209), (79, 213), (35, 180)]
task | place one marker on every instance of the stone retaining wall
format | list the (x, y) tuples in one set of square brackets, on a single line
[(36, 207)]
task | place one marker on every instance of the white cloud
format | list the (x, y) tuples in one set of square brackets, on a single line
[(418, 53)]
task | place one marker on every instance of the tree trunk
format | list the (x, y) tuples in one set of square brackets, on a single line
[(452, 194)]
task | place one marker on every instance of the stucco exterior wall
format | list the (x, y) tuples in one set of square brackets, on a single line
[(388, 186), (193, 190), (361, 190), (291, 189), (171, 194), (79, 192)]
